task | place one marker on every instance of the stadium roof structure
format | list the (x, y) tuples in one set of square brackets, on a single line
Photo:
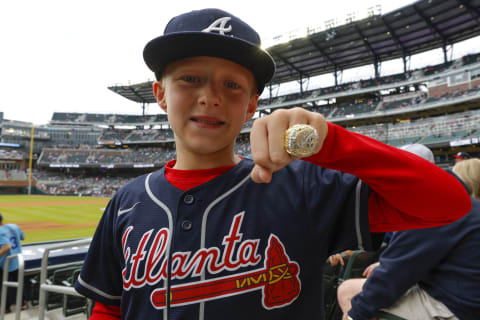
[(140, 92), (421, 26)]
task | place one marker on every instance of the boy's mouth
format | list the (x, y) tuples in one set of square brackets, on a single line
[(207, 120)]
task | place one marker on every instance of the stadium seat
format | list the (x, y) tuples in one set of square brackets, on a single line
[(331, 276), (72, 304), (58, 276), (34, 289), (334, 276)]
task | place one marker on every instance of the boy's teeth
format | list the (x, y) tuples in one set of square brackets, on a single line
[(208, 122)]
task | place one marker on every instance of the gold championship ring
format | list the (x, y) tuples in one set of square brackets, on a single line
[(301, 140)]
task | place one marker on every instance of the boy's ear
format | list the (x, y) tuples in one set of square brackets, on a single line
[(252, 107), (159, 92)]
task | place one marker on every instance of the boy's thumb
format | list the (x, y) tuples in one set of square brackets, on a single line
[(260, 174)]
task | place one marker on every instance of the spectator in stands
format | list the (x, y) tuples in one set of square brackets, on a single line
[(5, 247), (10, 236), (469, 171), (460, 156), (420, 150), (430, 273), (339, 258)]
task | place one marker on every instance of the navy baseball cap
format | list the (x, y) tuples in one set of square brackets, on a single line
[(463, 155), (213, 33)]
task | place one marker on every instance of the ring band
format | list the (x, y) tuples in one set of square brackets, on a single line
[(301, 140)]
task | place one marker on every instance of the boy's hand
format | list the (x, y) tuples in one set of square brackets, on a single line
[(267, 140)]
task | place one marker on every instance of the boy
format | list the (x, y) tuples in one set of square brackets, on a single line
[(214, 236)]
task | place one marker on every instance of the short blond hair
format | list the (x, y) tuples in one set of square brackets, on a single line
[(469, 171)]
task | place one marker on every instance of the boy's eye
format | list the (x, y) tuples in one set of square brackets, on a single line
[(191, 79), (231, 84)]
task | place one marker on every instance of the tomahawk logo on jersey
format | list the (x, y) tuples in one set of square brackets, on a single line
[(248, 250)]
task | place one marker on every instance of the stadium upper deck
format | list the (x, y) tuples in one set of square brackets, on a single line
[(385, 100), (419, 27), (354, 103), (381, 100)]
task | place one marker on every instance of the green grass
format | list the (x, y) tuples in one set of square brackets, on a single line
[(78, 217), (80, 232)]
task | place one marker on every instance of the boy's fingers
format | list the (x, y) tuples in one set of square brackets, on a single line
[(262, 138), (276, 140), (260, 149), (267, 140), (259, 141), (321, 126)]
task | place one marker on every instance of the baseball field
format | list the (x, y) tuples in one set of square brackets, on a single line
[(45, 218)]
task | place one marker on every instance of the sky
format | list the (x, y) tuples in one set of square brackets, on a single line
[(62, 55)]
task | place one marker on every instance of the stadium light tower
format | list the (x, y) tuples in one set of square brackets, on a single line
[(30, 161)]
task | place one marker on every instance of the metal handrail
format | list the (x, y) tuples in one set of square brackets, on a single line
[(18, 285), (44, 287)]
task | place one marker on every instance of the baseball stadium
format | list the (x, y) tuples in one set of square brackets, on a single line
[(57, 179)]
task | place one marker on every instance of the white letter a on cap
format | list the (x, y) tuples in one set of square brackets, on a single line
[(219, 25)]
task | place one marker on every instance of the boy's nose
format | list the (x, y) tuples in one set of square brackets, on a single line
[(209, 95)]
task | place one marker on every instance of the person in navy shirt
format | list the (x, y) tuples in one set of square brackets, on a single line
[(431, 273)]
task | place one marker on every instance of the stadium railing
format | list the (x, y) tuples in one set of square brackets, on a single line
[(18, 285), (44, 287)]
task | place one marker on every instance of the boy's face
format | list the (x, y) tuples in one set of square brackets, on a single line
[(207, 101)]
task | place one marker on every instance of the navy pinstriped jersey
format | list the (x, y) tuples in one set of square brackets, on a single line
[(227, 249)]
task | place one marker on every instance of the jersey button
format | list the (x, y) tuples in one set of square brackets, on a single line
[(188, 199), (186, 225)]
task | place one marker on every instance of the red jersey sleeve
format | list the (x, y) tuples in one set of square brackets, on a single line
[(105, 312), (408, 191)]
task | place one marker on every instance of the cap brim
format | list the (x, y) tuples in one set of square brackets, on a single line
[(161, 51), (458, 157)]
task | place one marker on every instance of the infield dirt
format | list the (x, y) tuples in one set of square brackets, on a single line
[(44, 225), (53, 203)]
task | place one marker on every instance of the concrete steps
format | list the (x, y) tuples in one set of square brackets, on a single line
[(32, 314)]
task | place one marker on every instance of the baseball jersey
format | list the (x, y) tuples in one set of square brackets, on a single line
[(234, 249), (14, 234)]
